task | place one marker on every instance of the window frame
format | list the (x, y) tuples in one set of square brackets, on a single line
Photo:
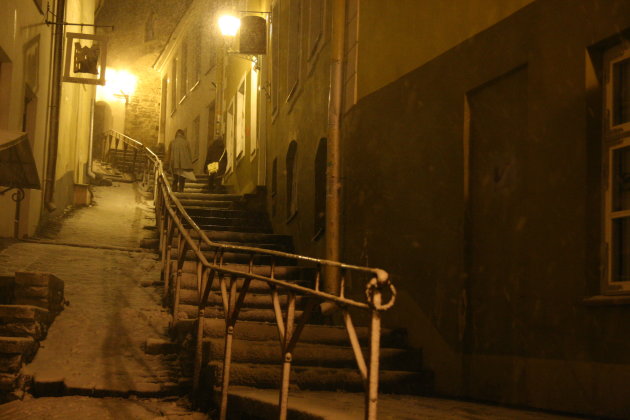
[(230, 138), (173, 84), (183, 71), (254, 80), (240, 116), (294, 49), (291, 181), (616, 137), (275, 57)]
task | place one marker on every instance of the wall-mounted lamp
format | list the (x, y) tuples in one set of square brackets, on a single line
[(229, 25), (119, 86), (252, 31)]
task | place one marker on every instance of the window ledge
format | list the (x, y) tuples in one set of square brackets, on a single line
[(607, 300), (291, 217)]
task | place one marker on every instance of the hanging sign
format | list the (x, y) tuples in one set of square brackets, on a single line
[(253, 35), (85, 59)]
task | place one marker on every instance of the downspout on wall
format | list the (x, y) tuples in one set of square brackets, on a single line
[(89, 171), (333, 174), (55, 99)]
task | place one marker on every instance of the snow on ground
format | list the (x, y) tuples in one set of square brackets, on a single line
[(114, 219), (95, 346)]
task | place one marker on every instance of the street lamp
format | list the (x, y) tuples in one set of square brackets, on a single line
[(229, 25), (119, 85)]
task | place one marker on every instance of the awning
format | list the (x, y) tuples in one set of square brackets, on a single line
[(17, 164)]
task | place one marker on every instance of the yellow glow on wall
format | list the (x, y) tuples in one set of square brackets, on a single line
[(119, 86), (229, 25)]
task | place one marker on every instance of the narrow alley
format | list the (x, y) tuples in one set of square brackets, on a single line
[(314, 209), (93, 362)]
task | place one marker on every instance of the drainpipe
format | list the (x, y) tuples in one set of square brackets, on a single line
[(55, 99), (90, 173), (333, 174)]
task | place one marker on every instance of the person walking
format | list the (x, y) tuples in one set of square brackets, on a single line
[(215, 162), (180, 161)]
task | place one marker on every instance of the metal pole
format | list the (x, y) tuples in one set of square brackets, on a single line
[(284, 389), (227, 362), (55, 101), (371, 403), (333, 174)]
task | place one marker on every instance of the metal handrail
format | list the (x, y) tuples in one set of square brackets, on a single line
[(172, 218)]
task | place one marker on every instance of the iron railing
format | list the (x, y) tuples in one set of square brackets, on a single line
[(174, 223)]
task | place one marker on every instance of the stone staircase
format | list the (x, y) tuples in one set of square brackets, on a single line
[(29, 303), (126, 160), (323, 359)]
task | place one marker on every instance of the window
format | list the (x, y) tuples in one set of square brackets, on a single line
[(211, 116), (253, 113), (291, 167), (316, 15), (240, 120), (6, 70), (38, 3), (320, 189), (274, 185), (194, 144), (183, 76), (617, 162), (208, 37), (149, 27), (293, 59), (174, 85), (229, 136), (196, 60), (163, 105), (351, 55), (275, 56)]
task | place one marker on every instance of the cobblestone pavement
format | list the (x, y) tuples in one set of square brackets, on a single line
[(95, 346), (81, 408), (114, 219)]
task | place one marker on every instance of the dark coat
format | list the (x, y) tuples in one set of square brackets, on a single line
[(179, 156)]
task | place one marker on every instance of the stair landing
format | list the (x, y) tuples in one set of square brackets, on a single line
[(247, 402)]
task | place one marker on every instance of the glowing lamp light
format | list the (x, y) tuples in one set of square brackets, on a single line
[(229, 25), (119, 85)]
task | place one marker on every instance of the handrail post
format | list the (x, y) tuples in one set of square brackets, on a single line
[(371, 402), (172, 218), (284, 387), (227, 365), (288, 357)]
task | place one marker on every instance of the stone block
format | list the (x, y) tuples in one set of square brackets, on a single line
[(27, 346), (33, 329), (24, 313), (159, 346), (24, 321), (7, 286), (10, 363), (40, 289), (7, 381)]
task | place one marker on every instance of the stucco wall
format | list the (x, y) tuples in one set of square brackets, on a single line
[(495, 298), (395, 39), (199, 100), (19, 25), (302, 118), (74, 120), (21, 29)]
